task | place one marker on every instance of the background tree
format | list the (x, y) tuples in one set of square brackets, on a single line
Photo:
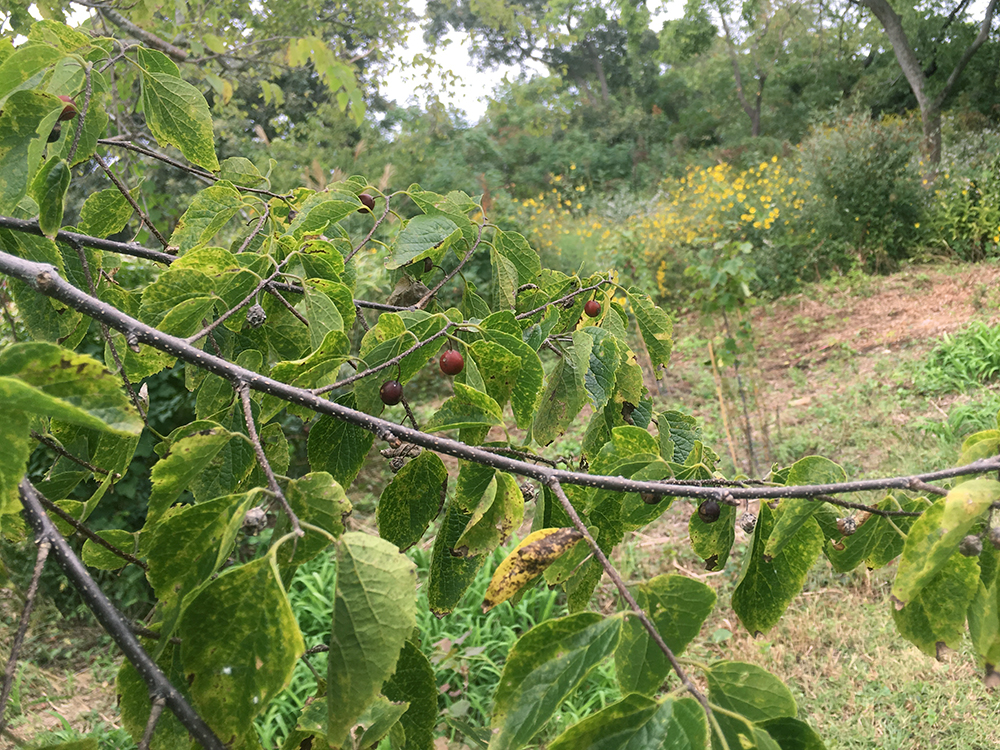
[(920, 62)]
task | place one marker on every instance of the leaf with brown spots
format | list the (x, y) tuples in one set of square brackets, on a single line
[(527, 561)]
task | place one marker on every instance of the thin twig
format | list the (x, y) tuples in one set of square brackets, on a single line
[(451, 274), (256, 229), (388, 363), (106, 334), (49, 443), (371, 234), (44, 547), (287, 305), (409, 413), (239, 305), (84, 531), (613, 574), (98, 243), (143, 216), (565, 298), (272, 481), (82, 116), (155, 711)]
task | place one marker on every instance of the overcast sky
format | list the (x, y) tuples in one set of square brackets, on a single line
[(475, 87)]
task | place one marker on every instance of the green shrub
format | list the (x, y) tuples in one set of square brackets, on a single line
[(966, 216), (867, 187)]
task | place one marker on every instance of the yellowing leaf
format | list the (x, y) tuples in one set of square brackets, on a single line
[(528, 560)]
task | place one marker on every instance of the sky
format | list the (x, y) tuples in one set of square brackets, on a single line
[(472, 93)]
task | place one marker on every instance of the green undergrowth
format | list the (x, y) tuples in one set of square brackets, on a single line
[(468, 649), (962, 360)]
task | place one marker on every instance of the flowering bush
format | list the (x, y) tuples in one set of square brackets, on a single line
[(966, 210)]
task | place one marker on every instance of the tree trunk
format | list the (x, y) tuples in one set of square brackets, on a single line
[(930, 109), (752, 111)]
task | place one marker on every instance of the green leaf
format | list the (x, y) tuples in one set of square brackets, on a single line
[(374, 613), (546, 664), (25, 123), (984, 623), (423, 237), (638, 723), (208, 212), (337, 447), (503, 282), (528, 384), (795, 510), (239, 645), (628, 445), (96, 556), (412, 500), (47, 380), (241, 171), (14, 431), (656, 329), (935, 536), (516, 249), (750, 691), (980, 445), (499, 368), (678, 434), (565, 394), (177, 296), (467, 408), (178, 115), (191, 544), (319, 213), (36, 310), (414, 682), (494, 521), (23, 64), (104, 213), (49, 191), (765, 589), (876, 541), (678, 606), (322, 314), (602, 366), (793, 734), (376, 721), (451, 575), (318, 500), (935, 617), (187, 459)]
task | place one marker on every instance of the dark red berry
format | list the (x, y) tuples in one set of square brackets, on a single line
[(452, 362), (391, 392), (368, 202), (55, 133), (592, 308), (708, 511), (70, 110)]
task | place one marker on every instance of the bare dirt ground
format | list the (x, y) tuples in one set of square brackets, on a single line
[(917, 305)]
